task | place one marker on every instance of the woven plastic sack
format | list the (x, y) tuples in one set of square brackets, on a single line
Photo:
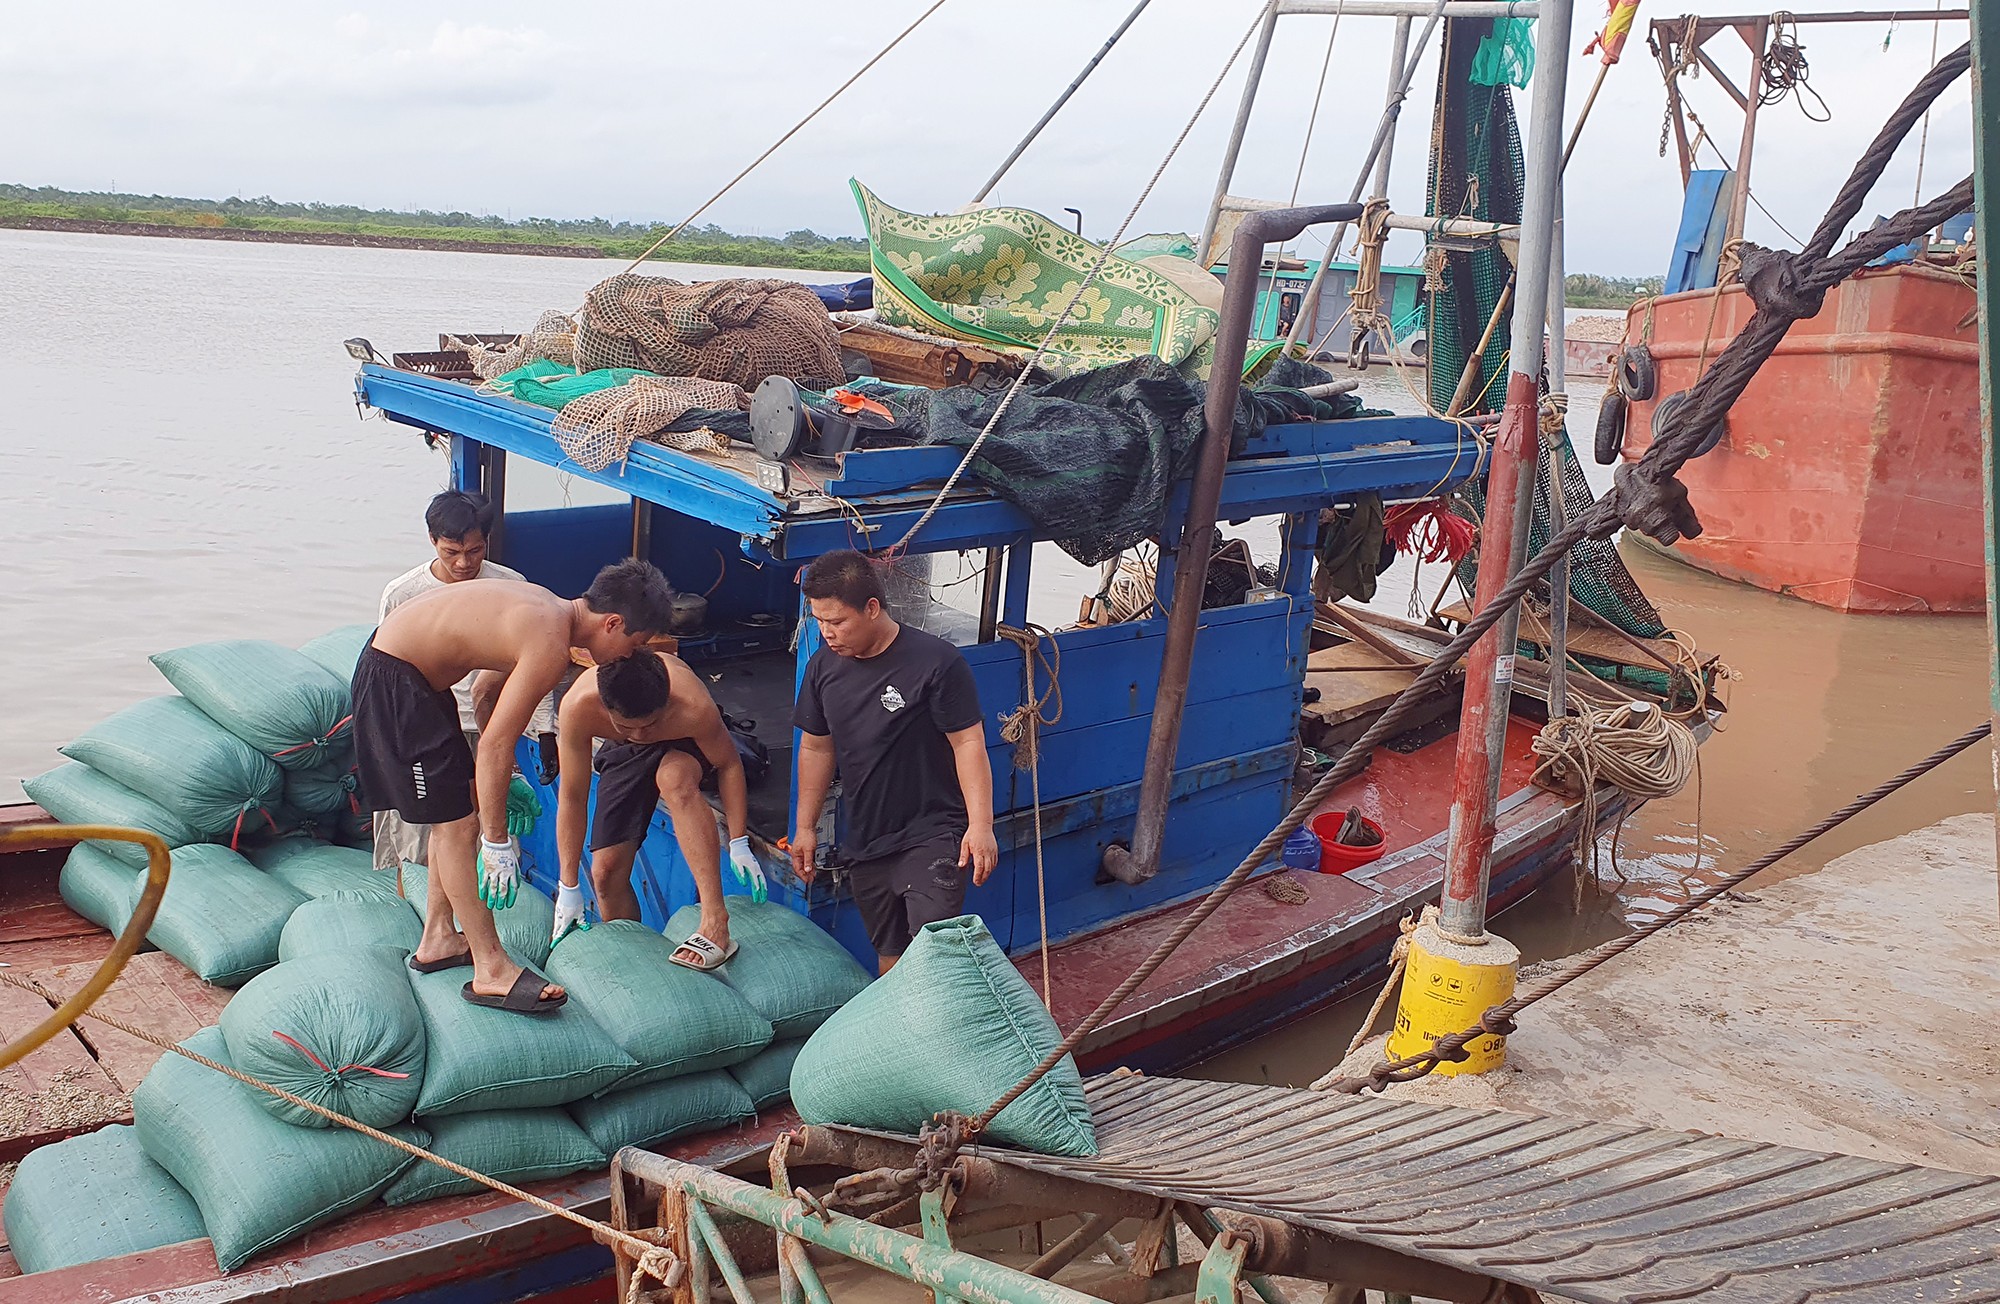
[(76, 794), (318, 869), (791, 972), (951, 1027), (670, 1019), (485, 1059), (92, 1197), (328, 787), (281, 702), (258, 1182), (340, 921), (660, 1111), (514, 1145), (766, 1077), (205, 776), (99, 886), (524, 927), (221, 916), (340, 1029), (337, 650)]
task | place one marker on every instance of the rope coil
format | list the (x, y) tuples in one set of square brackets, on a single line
[(1635, 748)]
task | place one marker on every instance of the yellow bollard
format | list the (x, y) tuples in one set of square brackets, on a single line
[(1446, 987)]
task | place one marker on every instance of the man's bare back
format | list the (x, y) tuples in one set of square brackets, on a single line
[(499, 625), (691, 710)]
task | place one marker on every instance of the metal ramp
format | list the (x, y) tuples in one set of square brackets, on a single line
[(1599, 1213)]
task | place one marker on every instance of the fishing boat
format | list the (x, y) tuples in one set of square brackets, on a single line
[(1184, 734), (1849, 472)]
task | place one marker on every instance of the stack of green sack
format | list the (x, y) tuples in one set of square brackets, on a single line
[(644, 1051), (256, 743)]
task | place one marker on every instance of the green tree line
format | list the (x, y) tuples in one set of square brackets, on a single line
[(704, 244), (1585, 290)]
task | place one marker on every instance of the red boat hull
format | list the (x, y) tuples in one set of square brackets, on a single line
[(1850, 473)]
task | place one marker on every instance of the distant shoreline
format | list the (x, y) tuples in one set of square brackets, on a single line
[(93, 226)]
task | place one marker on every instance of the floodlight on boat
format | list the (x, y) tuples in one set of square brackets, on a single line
[(361, 350)]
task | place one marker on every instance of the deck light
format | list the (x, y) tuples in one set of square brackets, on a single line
[(361, 350)]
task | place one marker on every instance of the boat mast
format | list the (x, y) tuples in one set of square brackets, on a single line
[(1986, 235), (1489, 673)]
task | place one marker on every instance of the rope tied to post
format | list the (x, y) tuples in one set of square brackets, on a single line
[(1633, 747)]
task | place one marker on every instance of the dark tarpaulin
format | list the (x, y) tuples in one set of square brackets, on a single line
[(1091, 458)]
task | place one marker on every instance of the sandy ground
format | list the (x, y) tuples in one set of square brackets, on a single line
[(1855, 1009)]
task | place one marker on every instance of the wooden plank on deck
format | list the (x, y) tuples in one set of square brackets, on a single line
[(57, 1089), (1346, 691), (156, 993)]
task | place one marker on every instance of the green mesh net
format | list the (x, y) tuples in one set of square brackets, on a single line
[(1477, 172), (1506, 56)]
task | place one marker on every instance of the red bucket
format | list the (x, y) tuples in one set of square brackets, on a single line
[(1337, 857)]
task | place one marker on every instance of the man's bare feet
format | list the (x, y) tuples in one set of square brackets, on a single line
[(485, 985), (446, 952)]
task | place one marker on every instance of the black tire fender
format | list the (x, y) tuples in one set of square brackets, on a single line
[(1663, 416), (1610, 428), (1638, 378)]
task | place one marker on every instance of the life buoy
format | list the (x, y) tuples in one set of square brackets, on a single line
[(1637, 377), (1610, 428)]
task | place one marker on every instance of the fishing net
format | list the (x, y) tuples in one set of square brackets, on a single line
[(739, 331), (1506, 57), (681, 412), (1476, 171), (552, 340)]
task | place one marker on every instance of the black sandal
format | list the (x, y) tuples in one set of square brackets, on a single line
[(524, 997)]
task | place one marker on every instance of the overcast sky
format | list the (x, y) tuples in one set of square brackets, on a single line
[(639, 111)]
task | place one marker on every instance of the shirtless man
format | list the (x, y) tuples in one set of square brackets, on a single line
[(664, 740), (414, 759)]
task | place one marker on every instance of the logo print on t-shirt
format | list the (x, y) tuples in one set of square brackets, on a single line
[(892, 700)]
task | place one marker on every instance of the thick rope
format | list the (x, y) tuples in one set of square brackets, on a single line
[(796, 128), (1023, 728), (1499, 1020), (603, 1232), (1090, 278), (1635, 748), (1644, 496)]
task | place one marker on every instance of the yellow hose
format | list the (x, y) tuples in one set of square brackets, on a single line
[(157, 868)]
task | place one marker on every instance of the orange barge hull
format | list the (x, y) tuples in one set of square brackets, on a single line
[(1850, 472)]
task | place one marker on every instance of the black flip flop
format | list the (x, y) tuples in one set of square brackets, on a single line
[(458, 961), (524, 997)]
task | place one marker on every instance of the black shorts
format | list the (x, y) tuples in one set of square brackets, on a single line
[(628, 789), (899, 893), (409, 752)]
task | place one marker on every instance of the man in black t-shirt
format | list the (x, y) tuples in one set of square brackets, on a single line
[(896, 712)]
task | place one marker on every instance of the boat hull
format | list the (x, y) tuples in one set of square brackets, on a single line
[(1850, 472)]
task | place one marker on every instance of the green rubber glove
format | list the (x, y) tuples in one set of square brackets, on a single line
[(523, 808)]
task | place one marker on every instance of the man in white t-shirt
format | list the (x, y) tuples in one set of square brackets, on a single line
[(460, 525)]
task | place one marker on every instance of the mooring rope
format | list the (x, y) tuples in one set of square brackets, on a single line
[(1023, 728), (1633, 747), (604, 1233)]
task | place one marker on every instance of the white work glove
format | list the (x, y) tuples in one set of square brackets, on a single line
[(499, 873), (569, 911), (748, 872)]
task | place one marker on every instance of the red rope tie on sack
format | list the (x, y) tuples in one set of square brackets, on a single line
[(1429, 530), (320, 1064), (320, 743)]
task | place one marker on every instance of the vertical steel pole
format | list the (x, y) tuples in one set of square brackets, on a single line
[(1739, 203), (1986, 233), (1558, 697), (1242, 124), (1489, 672), (1061, 100)]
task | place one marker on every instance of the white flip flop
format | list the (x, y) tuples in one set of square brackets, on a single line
[(712, 956)]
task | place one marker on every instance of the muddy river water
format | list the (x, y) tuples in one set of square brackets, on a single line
[(180, 460)]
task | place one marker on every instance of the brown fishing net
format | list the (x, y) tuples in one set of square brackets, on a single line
[(736, 330), (597, 430), (553, 339)]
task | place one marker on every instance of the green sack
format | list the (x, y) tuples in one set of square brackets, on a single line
[(92, 1197), (485, 1059), (339, 921), (660, 1111), (552, 385), (207, 777), (99, 886), (259, 1182), (325, 788), (514, 1145), (767, 1076), (338, 650), (284, 704), (317, 869), (524, 927), (340, 1029), (670, 1019), (76, 794), (951, 1027), (791, 972), (220, 916)]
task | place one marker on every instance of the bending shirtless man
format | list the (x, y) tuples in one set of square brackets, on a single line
[(664, 740), (414, 760)]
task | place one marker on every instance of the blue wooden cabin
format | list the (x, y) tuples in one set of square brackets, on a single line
[(724, 525)]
